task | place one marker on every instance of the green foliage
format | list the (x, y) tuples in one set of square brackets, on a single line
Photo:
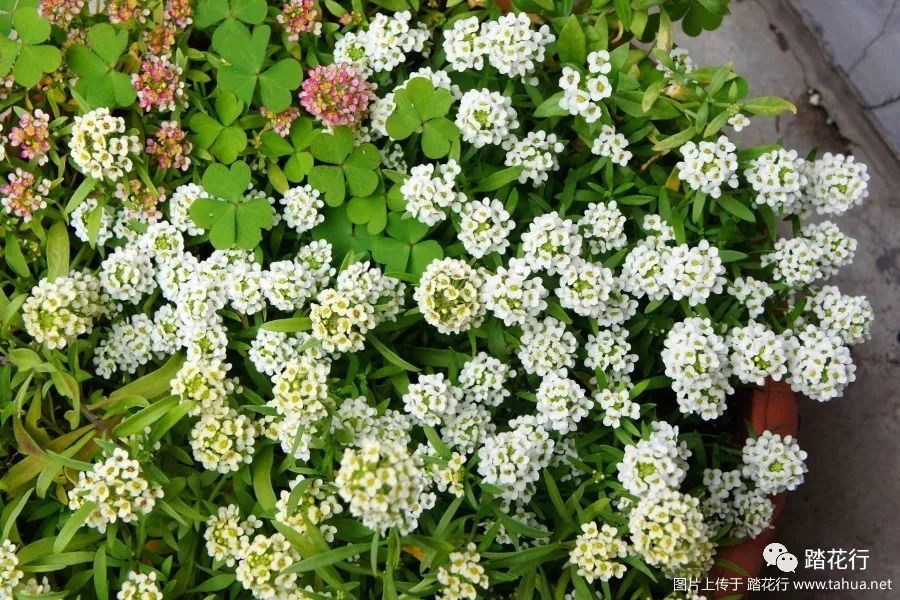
[(99, 81), (420, 108), (231, 219), (342, 167), (223, 137), (28, 57)]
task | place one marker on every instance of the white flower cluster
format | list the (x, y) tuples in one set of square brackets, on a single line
[(428, 196), (384, 45), (513, 295), (383, 484), (585, 288), (536, 153), (668, 531), (301, 208), (708, 166), (551, 242), (127, 274), (778, 178), (773, 463), (847, 317), (819, 364), (205, 384), (757, 353), (270, 351), (513, 460), (315, 504), (300, 399), (596, 552), (608, 351), (362, 298), (612, 145), (617, 405), (449, 295), (485, 117), (432, 399), (510, 44), (363, 422), (10, 575), (656, 463), (561, 403), (288, 284), (180, 204), (739, 121), (483, 379), (696, 359), (730, 501), (484, 226), (837, 183), (119, 490), (78, 221), (129, 345), (262, 568), (681, 61), (819, 251), (466, 427), (462, 576), (694, 272), (227, 536), (58, 311), (223, 442), (603, 227), (140, 586), (582, 98), (97, 149), (546, 347), (752, 293)]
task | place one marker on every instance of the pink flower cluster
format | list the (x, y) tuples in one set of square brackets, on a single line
[(122, 11), (20, 195), (158, 84), (141, 202), (60, 12), (32, 136), (281, 122), (179, 12), (337, 94), (160, 39), (170, 147), (298, 17)]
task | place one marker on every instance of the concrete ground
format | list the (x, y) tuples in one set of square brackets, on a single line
[(852, 493)]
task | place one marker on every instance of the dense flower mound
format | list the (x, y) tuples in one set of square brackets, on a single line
[(306, 300)]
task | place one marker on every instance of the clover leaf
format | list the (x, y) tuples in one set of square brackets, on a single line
[(241, 69), (230, 219), (346, 166), (420, 108), (26, 56), (99, 83), (404, 249), (296, 147), (221, 137), (210, 12)]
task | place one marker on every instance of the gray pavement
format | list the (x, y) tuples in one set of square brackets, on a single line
[(852, 493)]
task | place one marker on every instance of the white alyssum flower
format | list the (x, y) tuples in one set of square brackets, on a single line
[(643, 269), (656, 463), (616, 405), (271, 351), (127, 274), (99, 147), (449, 295), (513, 294), (730, 501), (316, 504), (484, 226), (58, 311), (384, 45), (752, 293), (682, 62), (10, 575), (668, 531), (205, 385), (430, 191), (180, 204), (546, 347), (128, 346), (536, 153), (583, 97), (757, 353), (608, 351), (485, 117), (773, 463), (596, 552), (513, 47), (78, 221), (162, 241), (585, 287), (837, 183), (431, 399), (34, 587), (561, 403), (739, 121), (693, 273), (513, 460), (847, 317), (301, 208), (708, 166), (819, 251), (465, 427), (383, 485), (227, 536), (819, 364), (838, 249), (696, 358), (140, 586), (462, 576), (483, 379), (778, 178), (300, 390), (612, 145), (223, 442), (551, 242), (363, 422), (464, 45), (118, 488), (603, 227), (262, 568)]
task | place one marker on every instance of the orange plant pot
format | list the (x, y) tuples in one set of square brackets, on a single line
[(772, 407)]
